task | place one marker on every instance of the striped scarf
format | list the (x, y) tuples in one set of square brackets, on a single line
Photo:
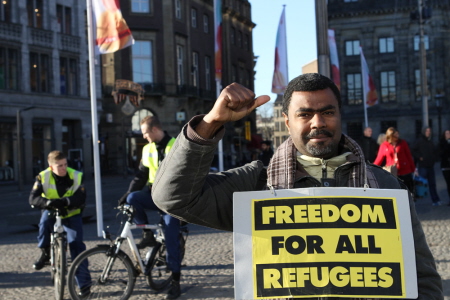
[(283, 166)]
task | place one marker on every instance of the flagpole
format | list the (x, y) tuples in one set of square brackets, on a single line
[(218, 68), (97, 176)]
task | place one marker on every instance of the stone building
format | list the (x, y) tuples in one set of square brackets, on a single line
[(43, 86), (173, 59), (388, 32)]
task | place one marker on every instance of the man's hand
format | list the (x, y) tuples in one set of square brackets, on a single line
[(123, 199), (234, 102), (59, 204)]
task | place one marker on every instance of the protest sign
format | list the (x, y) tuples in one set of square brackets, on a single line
[(335, 242)]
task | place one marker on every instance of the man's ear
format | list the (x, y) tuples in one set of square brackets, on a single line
[(286, 122)]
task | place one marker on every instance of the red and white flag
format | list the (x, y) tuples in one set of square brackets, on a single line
[(218, 39), (280, 74), (334, 60), (369, 89), (110, 31)]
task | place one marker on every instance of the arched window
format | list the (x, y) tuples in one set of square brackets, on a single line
[(136, 120)]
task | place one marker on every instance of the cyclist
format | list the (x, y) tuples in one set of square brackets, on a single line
[(60, 187), (140, 198)]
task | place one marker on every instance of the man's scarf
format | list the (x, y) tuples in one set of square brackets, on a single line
[(283, 166)]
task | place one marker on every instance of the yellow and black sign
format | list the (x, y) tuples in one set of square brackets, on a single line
[(327, 246)]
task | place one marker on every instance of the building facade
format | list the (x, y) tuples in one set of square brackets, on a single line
[(44, 97), (173, 59), (389, 34)]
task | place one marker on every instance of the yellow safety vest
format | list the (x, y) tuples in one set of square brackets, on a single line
[(51, 192), (150, 158)]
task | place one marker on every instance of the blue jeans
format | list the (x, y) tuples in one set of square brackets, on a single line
[(428, 173), (142, 200), (76, 247)]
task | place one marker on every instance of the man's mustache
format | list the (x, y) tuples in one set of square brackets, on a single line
[(316, 133)]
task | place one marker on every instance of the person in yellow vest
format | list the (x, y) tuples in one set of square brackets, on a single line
[(60, 187), (139, 196)]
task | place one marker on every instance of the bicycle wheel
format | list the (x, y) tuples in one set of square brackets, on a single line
[(159, 275), (59, 268), (88, 269)]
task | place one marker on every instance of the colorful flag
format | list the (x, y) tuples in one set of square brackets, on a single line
[(218, 39), (280, 74), (110, 31), (369, 89), (334, 60)]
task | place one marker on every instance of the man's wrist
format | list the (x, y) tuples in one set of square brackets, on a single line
[(208, 127)]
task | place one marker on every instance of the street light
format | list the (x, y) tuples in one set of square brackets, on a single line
[(439, 98), (19, 145)]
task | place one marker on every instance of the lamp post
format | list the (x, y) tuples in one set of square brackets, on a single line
[(439, 99), (19, 145)]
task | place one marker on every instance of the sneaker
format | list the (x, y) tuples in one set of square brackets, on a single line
[(148, 240), (44, 259), (84, 292), (174, 290)]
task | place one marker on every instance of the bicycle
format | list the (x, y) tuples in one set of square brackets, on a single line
[(112, 270), (58, 256)]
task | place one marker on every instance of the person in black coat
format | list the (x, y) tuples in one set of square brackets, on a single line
[(266, 152), (444, 147), (368, 145)]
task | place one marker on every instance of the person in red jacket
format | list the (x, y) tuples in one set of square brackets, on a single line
[(395, 151)]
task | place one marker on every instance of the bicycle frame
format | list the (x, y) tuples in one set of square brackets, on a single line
[(128, 235), (58, 230)]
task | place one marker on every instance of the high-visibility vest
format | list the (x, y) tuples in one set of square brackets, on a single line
[(150, 158), (50, 191)]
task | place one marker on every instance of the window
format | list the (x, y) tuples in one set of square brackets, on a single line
[(9, 69), (354, 89), (417, 41), (233, 36), (194, 17), (64, 16), (142, 60), (39, 72), (207, 73), (180, 65), (419, 86), (194, 70), (239, 39), (247, 42), (5, 11), (355, 130), (388, 90), (178, 9), (386, 45), (205, 24), (140, 6), (233, 73), (352, 48), (68, 72), (35, 13)]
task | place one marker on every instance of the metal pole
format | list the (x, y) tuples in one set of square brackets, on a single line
[(323, 51), (423, 70), (97, 176)]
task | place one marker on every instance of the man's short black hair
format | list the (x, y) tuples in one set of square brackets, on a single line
[(309, 82)]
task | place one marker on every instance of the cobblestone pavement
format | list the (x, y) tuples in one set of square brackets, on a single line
[(208, 266)]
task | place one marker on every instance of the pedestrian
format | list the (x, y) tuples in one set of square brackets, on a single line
[(395, 153), (426, 154), (381, 138), (140, 197), (60, 187), (312, 113), (266, 152), (368, 145), (445, 158)]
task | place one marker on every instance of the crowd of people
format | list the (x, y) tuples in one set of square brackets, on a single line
[(395, 155)]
